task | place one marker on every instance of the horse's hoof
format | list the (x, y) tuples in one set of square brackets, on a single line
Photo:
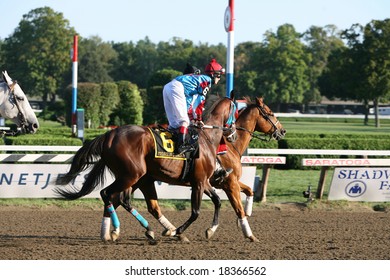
[(209, 233), (253, 239), (152, 242), (105, 238), (182, 238), (168, 232), (115, 235), (149, 234)]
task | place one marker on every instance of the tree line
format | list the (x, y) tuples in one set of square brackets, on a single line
[(126, 78)]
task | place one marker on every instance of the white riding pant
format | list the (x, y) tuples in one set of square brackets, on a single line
[(175, 104)]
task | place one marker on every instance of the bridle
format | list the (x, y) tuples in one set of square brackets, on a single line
[(272, 133), (14, 100)]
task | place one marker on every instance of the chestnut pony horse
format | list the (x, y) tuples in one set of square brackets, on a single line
[(129, 153), (256, 117)]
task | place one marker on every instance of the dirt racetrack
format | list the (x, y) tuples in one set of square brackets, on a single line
[(285, 233)]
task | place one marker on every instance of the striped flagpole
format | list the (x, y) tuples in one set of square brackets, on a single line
[(74, 82), (229, 27)]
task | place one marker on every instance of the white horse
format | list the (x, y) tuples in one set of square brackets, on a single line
[(15, 106)]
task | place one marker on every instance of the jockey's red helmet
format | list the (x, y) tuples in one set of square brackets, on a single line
[(214, 68)]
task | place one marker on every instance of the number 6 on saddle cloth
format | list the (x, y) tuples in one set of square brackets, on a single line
[(164, 141), (165, 147)]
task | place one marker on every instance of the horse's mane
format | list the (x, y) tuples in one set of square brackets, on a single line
[(212, 101), (248, 101)]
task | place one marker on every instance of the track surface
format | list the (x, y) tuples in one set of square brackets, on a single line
[(285, 233)]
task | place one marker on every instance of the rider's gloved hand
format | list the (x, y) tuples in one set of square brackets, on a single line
[(199, 124)]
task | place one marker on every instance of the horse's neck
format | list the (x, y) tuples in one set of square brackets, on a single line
[(3, 93), (217, 118), (243, 139), (244, 136)]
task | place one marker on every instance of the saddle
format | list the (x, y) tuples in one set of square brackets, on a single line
[(165, 141)]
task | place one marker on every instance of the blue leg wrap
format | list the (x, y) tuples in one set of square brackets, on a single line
[(139, 217), (114, 216)]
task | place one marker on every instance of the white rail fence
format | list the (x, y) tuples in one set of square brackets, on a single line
[(324, 163), (37, 169)]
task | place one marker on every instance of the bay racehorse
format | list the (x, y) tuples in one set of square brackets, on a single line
[(256, 120), (129, 153), (14, 106)]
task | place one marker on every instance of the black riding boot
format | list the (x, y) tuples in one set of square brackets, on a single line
[(182, 141)]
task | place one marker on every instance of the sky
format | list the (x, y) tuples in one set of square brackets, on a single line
[(201, 21)]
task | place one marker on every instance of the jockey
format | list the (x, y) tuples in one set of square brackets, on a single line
[(184, 99)]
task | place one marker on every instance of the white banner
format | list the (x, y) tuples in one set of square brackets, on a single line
[(263, 160), (38, 181), (345, 162), (360, 184)]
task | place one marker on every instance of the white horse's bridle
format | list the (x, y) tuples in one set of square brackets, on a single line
[(13, 99)]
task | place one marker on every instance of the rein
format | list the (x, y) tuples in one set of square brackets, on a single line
[(14, 100), (263, 137), (8, 133), (268, 136), (228, 127)]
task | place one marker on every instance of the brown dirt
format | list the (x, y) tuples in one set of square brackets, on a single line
[(285, 233)]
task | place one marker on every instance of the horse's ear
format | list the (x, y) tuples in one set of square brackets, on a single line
[(6, 78), (259, 101)]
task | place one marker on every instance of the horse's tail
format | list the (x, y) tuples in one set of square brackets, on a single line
[(85, 156)]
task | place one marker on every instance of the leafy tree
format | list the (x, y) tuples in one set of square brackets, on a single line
[(89, 98), (376, 46), (362, 71), (145, 62), (282, 64), (246, 79), (153, 99), (124, 64), (175, 53), (320, 43), (38, 51), (130, 108), (95, 59), (333, 80), (108, 101)]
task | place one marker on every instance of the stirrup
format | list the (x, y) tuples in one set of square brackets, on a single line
[(221, 174), (227, 172)]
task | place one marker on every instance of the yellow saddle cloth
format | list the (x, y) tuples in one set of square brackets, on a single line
[(164, 145)]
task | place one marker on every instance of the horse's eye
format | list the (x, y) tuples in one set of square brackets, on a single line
[(19, 98)]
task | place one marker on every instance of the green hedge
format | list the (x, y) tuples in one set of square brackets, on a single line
[(335, 136), (369, 142), (260, 144), (38, 141)]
